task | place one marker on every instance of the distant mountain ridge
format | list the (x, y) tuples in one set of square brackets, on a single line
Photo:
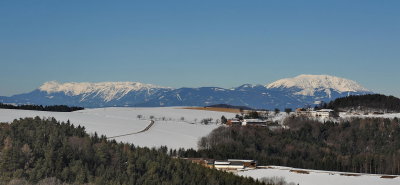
[(107, 90), (309, 84), (285, 93)]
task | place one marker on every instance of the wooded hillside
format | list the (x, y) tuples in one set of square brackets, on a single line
[(369, 145), (34, 149), (369, 102)]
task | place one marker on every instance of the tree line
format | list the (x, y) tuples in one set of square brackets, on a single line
[(52, 108), (46, 151), (368, 102), (370, 145)]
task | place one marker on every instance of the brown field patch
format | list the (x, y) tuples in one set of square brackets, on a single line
[(350, 174), (388, 177), (265, 167), (218, 109), (300, 171)]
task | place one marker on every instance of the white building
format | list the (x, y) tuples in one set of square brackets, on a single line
[(324, 113), (235, 164), (253, 122), (228, 165)]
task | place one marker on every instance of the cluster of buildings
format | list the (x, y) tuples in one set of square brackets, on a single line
[(310, 112), (226, 165)]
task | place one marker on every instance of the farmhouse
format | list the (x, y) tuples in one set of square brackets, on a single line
[(234, 121), (253, 122), (246, 163), (230, 164), (234, 164)]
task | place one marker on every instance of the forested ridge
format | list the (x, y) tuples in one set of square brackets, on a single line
[(368, 102), (370, 145), (53, 108), (230, 106), (34, 149)]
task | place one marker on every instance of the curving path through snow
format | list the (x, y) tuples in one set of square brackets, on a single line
[(176, 127), (144, 130)]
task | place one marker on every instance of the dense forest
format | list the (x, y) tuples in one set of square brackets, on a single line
[(53, 108), (37, 150), (369, 145), (369, 102)]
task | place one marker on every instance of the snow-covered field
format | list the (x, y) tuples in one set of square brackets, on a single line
[(317, 177), (388, 115), (168, 130)]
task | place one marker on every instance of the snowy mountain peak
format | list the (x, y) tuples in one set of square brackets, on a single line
[(247, 87), (244, 86), (309, 84), (106, 90)]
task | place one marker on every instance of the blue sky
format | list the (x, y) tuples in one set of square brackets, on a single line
[(198, 43)]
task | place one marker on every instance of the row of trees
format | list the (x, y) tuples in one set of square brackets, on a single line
[(53, 108), (259, 114), (34, 149), (369, 145)]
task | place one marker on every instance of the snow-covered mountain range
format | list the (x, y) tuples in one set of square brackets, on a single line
[(108, 91), (308, 85), (285, 93)]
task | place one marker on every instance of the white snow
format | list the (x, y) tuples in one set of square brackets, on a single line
[(346, 115), (172, 132), (106, 90), (318, 177), (309, 84)]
